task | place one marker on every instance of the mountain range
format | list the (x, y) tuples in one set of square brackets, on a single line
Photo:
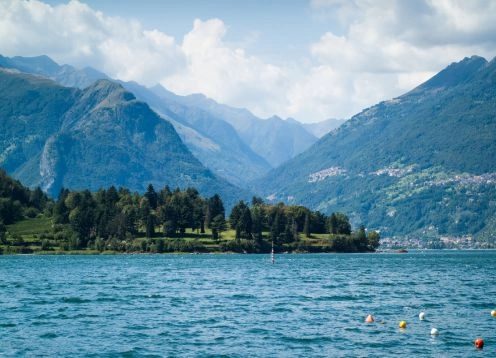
[(54, 136), (232, 142), (420, 164)]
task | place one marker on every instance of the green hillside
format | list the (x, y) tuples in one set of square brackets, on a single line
[(420, 164), (52, 136)]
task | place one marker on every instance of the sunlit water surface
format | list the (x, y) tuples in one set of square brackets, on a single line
[(244, 306)]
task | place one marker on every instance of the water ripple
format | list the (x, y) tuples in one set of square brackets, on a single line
[(243, 306)]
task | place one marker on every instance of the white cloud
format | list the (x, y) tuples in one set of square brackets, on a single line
[(76, 34), (391, 46), (381, 49), (226, 74)]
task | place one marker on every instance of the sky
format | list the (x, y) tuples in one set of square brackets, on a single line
[(306, 59)]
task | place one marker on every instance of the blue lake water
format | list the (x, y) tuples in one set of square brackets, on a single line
[(243, 306)]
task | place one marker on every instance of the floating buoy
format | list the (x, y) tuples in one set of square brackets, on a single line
[(421, 316), (493, 313), (434, 332), (479, 343), (402, 324), (369, 319)]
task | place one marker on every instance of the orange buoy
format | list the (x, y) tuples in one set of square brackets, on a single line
[(369, 319), (479, 343), (402, 324)]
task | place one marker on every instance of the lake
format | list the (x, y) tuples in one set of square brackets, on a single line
[(243, 306)]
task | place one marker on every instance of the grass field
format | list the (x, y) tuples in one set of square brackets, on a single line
[(31, 227)]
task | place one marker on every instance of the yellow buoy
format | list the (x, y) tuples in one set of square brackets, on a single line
[(402, 324), (493, 313), (369, 319)]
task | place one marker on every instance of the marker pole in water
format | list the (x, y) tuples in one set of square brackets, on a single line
[(272, 253)]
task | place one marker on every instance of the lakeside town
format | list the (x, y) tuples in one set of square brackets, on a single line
[(443, 242)]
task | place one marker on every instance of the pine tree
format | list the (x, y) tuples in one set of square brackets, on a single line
[(306, 227)]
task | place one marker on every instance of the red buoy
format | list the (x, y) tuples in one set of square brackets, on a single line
[(479, 343)]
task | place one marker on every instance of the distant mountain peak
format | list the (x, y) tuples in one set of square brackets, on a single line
[(275, 118), (109, 91), (39, 63)]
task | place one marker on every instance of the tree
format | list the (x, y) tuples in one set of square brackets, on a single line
[(360, 237), (144, 211), (290, 230), (256, 201), (199, 210), (240, 220), (277, 227), (81, 216), (338, 223), (318, 222), (150, 225), (152, 196), (306, 227), (373, 240), (60, 210), (99, 244), (3, 233), (215, 207), (37, 198), (218, 225), (10, 210), (164, 195), (257, 219)]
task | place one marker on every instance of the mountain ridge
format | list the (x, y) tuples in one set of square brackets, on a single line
[(55, 137), (213, 132), (384, 164), (274, 139)]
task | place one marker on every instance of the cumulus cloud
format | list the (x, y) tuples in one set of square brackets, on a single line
[(76, 34), (370, 51), (226, 74), (387, 47)]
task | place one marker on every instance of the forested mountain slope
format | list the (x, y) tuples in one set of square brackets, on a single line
[(422, 163), (233, 143), (55, 137), (211, 139)]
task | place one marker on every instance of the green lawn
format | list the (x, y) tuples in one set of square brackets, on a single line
[(30, 229)]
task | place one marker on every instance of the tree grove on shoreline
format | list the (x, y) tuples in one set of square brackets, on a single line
[(157, 221)]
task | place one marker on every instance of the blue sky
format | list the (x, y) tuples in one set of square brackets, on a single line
[(280, 27), (309, 60)]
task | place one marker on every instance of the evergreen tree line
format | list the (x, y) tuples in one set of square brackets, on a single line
[(17, 202), (285, 225), (173, 220), (111, 218)]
